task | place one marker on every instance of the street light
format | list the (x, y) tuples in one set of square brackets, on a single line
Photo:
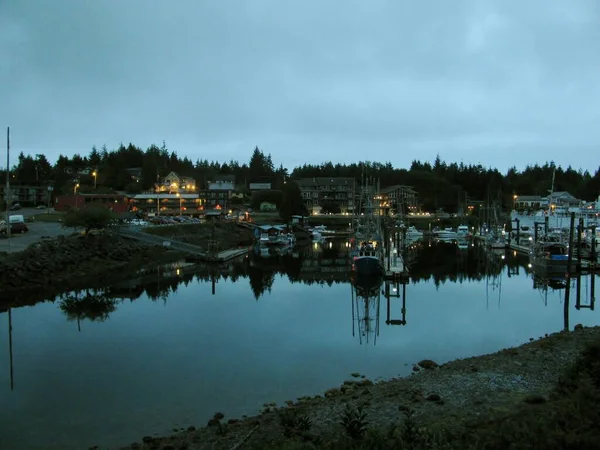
[(75, 193), (180, 200), (95, 175)]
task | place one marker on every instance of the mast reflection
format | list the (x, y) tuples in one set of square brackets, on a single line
[(366, 297)]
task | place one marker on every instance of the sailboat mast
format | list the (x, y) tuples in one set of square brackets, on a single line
[(7, 195)]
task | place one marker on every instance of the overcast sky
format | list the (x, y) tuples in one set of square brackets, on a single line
[(494, 82)]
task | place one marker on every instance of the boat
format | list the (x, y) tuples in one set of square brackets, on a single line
[(549, 257), (412, 233), (446, 233), (368, 245)]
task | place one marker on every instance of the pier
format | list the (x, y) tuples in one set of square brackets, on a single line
[(195, 253)]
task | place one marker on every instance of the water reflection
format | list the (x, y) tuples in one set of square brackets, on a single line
[(366, 299), (126, 332)]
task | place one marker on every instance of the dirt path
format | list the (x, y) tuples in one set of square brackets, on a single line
[(446, 396)]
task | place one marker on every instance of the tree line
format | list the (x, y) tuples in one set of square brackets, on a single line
[(440, 184)]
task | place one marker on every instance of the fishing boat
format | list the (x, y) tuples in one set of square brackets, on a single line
[(368, 245), (549, 257)]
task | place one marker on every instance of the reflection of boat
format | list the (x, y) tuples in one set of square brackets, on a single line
[(463, 232), (366, 298), (446, 233)]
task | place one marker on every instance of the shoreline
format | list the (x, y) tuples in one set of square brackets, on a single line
[(50, 267), (443, 398)]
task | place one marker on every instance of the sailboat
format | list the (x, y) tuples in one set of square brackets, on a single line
[(368, 250)]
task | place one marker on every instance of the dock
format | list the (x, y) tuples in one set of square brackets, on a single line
[(393, 263), (195, 253)]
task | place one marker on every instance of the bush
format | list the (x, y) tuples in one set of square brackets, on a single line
[(90, 218)]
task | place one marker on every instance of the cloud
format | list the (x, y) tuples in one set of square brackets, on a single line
[(496, 82)]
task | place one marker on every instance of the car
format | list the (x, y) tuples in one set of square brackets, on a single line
[(15, 227), (15, 207)]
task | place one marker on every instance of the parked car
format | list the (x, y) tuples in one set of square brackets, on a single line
[(15, 207), (16, 227)]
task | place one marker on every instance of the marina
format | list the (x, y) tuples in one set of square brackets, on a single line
[(259, 306)]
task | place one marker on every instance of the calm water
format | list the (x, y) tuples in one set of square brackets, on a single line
[(172, 348)]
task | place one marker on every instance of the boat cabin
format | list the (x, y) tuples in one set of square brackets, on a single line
[(367, 248)]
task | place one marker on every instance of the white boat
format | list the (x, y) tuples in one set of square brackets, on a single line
[(446, 233), (412, 233)]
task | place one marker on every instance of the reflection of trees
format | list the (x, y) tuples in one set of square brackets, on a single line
[(94, 306), (442, 261)]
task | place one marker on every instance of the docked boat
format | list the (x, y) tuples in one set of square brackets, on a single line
[(549, 257), (368, 245), (413, 234), (446, 233)]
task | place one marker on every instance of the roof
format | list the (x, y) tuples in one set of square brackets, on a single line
[(529, 198), (399, 187), (560, 194), (226, 178), (326, 181)]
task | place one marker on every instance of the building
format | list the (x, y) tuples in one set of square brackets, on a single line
[(529, 202), (338, 192), (27, 195), (562, 199), (174, 183), (219, 193), (118, 203), (397, 199), (259, 186), (167, 204)]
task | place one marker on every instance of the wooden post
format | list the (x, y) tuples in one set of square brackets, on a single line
[(519, 231), (579, 232), (570, 253), (578, 293)]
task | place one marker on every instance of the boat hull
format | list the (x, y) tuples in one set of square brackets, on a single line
[(368, 265)]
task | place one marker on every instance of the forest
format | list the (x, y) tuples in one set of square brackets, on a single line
[(440, 184)]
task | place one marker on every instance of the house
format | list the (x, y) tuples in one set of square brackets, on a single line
[(174, 183), (529, 202), (562, 199), (339, 191)]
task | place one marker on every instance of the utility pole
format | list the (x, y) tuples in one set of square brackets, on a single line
[(7, 193)]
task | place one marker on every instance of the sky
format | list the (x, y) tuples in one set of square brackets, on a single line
[(498, 83)]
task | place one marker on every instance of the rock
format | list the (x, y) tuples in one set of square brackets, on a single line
[(135, 445), (218, 416), (213, 422), (290, 402), (416, 369), (168, 447), (355, 374), (191, 428), (147, 439), (232, 421), (433, 398), (578, 327), (428, 364)]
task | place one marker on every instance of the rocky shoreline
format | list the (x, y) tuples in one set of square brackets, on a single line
[(446, 397), (50, 267)]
